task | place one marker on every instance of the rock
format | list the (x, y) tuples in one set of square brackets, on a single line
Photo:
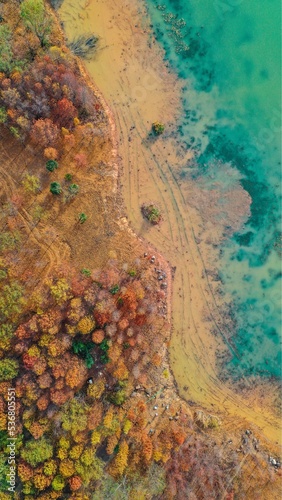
[(155, 407)]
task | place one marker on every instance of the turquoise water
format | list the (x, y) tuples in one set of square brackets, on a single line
[(227, 53)]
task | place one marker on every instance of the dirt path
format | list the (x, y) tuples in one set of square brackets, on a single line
[(139, 89)]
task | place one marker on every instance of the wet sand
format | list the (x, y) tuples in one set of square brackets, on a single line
[(129, 71)]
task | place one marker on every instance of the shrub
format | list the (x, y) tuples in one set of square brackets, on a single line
[(31, 183), (55, 188), (86, 272), (74, 189), (82, 218), (158, 128), (114, 289), (68, 177), (51, 165), (152, 213)]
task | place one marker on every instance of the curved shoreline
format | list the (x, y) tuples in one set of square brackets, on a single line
[(123, 221), (205, 388)]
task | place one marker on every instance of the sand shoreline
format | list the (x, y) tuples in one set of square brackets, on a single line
[(140, 90)]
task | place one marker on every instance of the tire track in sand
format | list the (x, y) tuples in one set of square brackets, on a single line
[(55, 253)]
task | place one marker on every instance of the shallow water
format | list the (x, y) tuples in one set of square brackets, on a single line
[(227, 54)]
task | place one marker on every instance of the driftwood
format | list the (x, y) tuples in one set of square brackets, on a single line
[(84, 45)]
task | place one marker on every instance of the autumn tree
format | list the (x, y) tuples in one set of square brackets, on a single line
[(44, 132), (64, 112), (8, 369), (37, 451)]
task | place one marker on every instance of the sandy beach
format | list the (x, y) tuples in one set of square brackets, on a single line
[(139, 89)]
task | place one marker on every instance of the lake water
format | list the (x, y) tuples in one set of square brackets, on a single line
[(227, 54)]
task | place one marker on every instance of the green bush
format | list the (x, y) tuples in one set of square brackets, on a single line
[(86, 272), (55, 188), (68, 177), (114, 289), (51, 165), (152, 213), (158, 128), (74, 189), (82, 350), (82, 218), (9, 369)]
